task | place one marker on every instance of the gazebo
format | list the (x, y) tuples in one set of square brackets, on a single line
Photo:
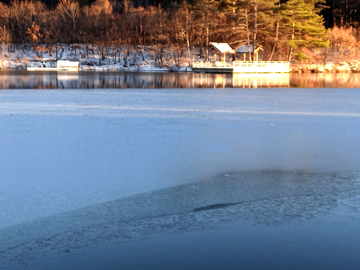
[(222, 48), (244, 49)]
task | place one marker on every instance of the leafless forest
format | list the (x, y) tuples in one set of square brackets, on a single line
[(114, 28)]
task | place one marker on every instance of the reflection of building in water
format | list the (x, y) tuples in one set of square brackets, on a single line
[(260, 80), (67, 77), (240, 80), (65, 80), (206, 80)]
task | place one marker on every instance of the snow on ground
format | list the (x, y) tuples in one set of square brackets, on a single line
[(92, 57)]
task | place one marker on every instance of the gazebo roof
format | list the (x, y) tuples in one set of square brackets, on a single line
[(222, 47), (244, 48)]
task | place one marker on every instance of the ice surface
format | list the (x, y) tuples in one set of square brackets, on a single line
[(261, 199), (63, 150), (83, 167)]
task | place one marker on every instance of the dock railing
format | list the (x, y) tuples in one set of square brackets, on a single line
[(261, 66), (208, 64)]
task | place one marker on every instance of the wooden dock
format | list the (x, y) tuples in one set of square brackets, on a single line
[(242, 67), (50, 69)]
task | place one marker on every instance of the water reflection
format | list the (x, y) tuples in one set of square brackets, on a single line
[(325, 80), (89, 80), (261, 80)]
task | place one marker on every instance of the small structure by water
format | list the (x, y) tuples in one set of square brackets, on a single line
[(65, 65), (223, 48), (255, 66), (242, 67), (245, 50)]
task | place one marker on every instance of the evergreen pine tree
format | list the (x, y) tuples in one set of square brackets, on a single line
[(304, 27)]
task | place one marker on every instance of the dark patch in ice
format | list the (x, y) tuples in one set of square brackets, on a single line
[(214, 206)]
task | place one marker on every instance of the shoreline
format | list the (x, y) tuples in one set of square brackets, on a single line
[(20, 59), (342, 67)]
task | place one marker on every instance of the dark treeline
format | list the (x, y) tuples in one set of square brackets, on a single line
[(335, 12), (341, 13)]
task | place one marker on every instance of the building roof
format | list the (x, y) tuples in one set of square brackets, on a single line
[(222, 47), (244, 48)]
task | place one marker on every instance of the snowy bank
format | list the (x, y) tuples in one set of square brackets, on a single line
[(135, 58), (97, 58), (341, 67)]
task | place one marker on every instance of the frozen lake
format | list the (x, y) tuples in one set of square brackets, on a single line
[(87, 173)]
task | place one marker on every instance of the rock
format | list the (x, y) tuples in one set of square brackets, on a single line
[(342, 69), (295, 69), (321, 69)]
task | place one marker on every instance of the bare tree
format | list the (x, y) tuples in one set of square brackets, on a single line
[(35, 38), (5, 38), (184, 19), (69, 9)]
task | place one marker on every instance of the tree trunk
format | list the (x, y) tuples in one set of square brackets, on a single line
[(292, 35), (247, 33), (2, 50), (325, 56), (276, 39), (255, 29), (207, 39), (333, 12), (187, 36)]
